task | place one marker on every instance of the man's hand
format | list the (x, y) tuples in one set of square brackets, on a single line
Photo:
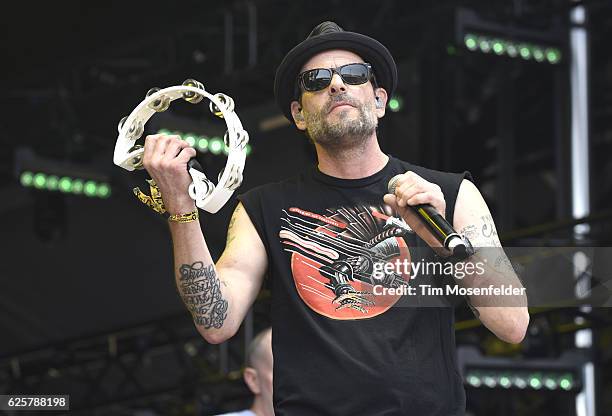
[(165, 158), (412, 190)]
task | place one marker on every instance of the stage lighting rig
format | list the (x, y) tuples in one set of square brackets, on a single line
[(508, 40), (203, 144), (44, 174), (562, 374)]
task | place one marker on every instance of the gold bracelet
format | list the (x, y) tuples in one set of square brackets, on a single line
[(190, 217)]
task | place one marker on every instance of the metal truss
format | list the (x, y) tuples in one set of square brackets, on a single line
[(160, 366)]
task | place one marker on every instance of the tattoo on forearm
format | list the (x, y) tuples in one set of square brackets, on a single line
[(503, 264), (200, 289)]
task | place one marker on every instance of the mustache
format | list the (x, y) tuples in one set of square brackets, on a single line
[(344, 97)]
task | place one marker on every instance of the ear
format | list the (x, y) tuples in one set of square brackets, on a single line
[(298, 118), (252, 380), (383, 97)]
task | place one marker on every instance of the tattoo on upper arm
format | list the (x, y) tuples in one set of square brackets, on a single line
[(488, 227), (488, 238), (483, 234), (489, 232), (200, 289), (470, 231), (230, 228)]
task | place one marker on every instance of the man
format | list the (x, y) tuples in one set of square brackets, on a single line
[(258, 375), (339, 349)]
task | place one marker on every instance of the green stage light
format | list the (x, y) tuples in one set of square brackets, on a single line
[(484, 44), (216, 146), (395, 104), (40, 180), (489, 381), (474, 380), (163, 131), (104, 190), (535, 382), (505, 382), (538, 54), (471, 42), (550, 383), (525, 52), (499, 47), (65, 184), (90, 188), (77, 186), (511, 50), (52, 183), (248, 149), (203, 144), (191, 140), (566, 382), (519, 382), (26, 178), (553, 55)]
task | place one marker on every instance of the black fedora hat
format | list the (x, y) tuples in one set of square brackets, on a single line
[(326, 36)]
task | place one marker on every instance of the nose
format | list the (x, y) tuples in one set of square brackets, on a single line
[(336, 85)]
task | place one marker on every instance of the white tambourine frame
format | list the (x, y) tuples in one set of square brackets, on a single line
[(203, 191)]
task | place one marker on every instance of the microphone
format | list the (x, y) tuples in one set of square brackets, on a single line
[(457, 244)]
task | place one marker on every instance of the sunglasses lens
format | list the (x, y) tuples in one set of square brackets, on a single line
[(354, 74), (316, 79)]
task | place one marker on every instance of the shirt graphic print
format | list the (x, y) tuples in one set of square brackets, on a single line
[(338, 256)]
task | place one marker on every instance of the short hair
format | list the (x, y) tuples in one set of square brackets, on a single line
[(254, 348)]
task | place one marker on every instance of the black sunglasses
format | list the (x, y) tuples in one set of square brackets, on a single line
[(352, 74)]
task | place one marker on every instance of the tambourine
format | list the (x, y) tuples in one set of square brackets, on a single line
[(203, 191)]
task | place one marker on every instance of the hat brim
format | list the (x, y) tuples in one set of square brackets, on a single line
[(370, 50)]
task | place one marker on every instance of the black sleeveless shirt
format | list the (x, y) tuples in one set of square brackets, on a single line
[(339, 348)]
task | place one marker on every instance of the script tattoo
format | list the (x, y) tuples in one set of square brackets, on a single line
[(489, 232), (482, 234), (201, 293), (488, 227)]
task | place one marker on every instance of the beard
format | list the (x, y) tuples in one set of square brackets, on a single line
[(348, 130)]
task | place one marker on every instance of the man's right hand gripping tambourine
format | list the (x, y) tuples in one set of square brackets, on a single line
[(178, 183)]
